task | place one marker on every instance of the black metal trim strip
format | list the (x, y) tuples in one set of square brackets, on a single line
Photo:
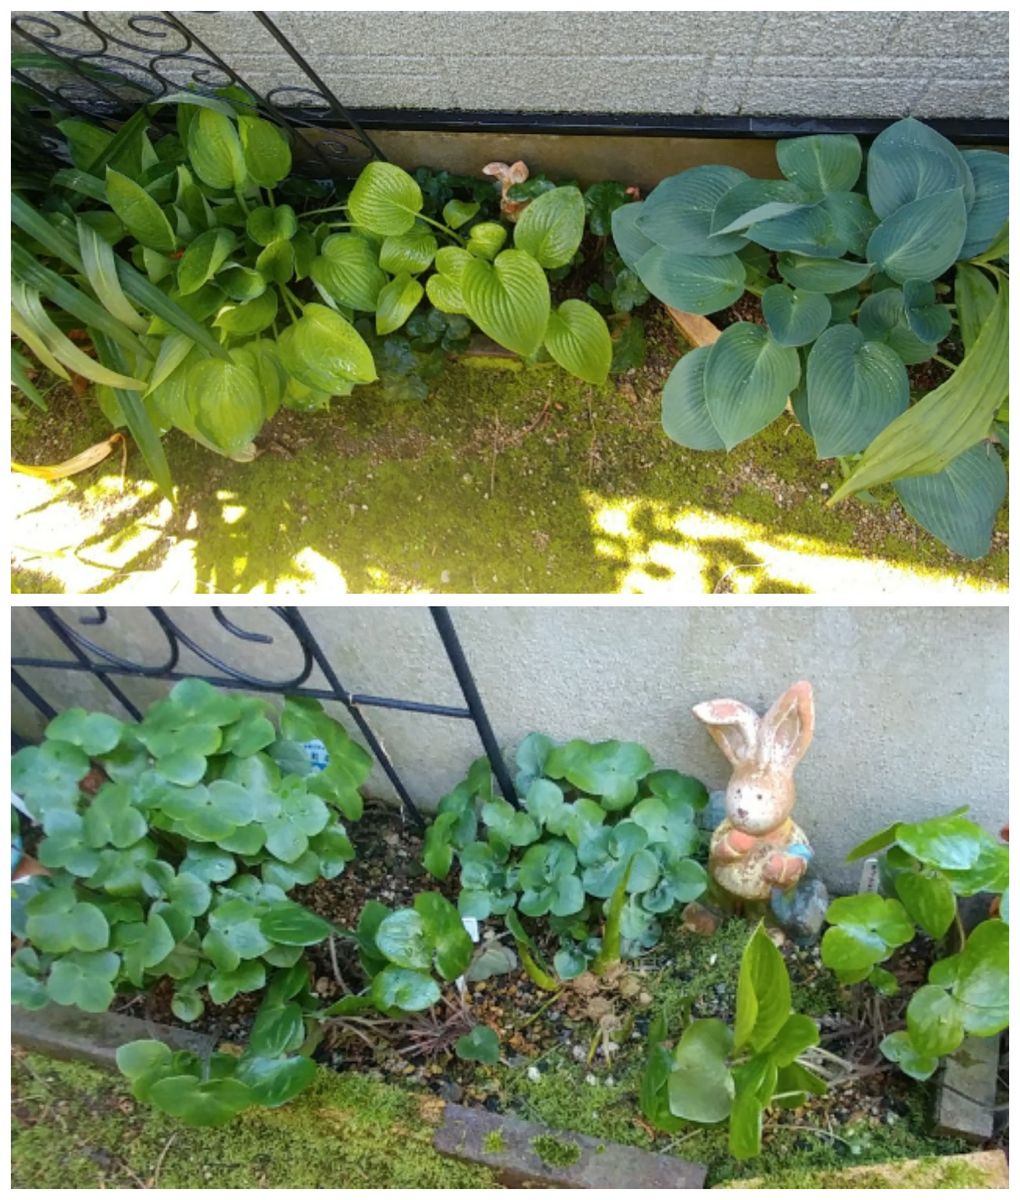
[(978, 130)]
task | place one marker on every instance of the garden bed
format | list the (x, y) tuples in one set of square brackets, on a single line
[(572, 1061), (504, 480)]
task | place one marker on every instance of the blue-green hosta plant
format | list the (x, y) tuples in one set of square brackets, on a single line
[(926, 865), (178, 864), (714, 1073), (601, 837), (865, 264)]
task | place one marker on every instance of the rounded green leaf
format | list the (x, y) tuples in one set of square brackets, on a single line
[(445, 294), (934, 1021), (214, 149), (927, 319), (95, 733), (349, 272), (87, 928), (748, 378), (276, 261), (950, 842), (385, 200), (899, 1048), (395, 303), (608, 769), (401, 938), (578, 339), (922, 239), (203, 258), (821, 162), (795, 317), (444, 931), (266, 152), (812, 274), (480, 1045), (226, 401), (754, 200), (292, 925), (458, 212), (204, 1105), (265, 224), (691, 282), (852, 219), (251, 317), (854, 388), (83, 980), (551, 227), (275, 1081), (809, 230), (989, 210), (412, 252), (910, 160), (883, 318), (46, 777), (486, 239), (403, 989), (763, 993), (629, 240), (928, 898), (677, 213), (700, 1084), (508, 299), (141, 214), (959, 504), (325, 352)]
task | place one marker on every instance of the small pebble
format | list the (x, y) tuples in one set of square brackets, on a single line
[(534, 1074), (591, 1079)]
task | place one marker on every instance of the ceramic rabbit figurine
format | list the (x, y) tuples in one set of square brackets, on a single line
[(758, 846)]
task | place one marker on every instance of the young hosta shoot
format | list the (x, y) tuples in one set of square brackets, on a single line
[(847, 252), (928, 864), (176, 862), (602, 836), (716, 1073)]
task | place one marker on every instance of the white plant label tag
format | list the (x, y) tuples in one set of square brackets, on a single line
[(471, 925), (869, 875)]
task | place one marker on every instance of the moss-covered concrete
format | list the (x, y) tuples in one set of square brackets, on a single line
[(74, 1126), (501, 481)]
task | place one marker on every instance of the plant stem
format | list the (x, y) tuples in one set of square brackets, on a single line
[(535, 1015), (442, 228), (285, 294), (315, 212), (944, 361)]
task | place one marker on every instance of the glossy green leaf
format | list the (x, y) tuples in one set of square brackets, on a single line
[(754, 200), (794, 317), (692, 283), (959, 504), (975, 297), (395, 303), (578, 339), (748, 378), (551, 227), (928, 899), (909, 161), (385, 200), (922, 239), (274, 1081), (458, 212), (215, 152), (899, 1048), (403, 989), (412, 252), (266, 153), (203, 1105), (677, 213), (812, 274), (348, 270), (630, 241), (700, 1085), (934, 1021), (100, 265), (608, 769), (203, 258), (989, 210), (226, 401), (763, 993), (486, 239), (508, 299), (249, 318), (883, 318), (325, 352), (292, 925), (854, 388), (685, 415), (140, 213), (480, 1045)]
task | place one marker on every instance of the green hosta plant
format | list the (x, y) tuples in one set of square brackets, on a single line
[(715, 1073), (855, 258), (927, 865), (600, 834), (177, 864)]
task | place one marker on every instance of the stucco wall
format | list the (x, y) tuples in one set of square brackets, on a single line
[(825, 64), (911, 702)]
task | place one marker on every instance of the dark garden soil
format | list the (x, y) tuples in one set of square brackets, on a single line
[(573, 1058)]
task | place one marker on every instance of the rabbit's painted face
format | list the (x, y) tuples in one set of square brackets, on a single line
[(757, 800)]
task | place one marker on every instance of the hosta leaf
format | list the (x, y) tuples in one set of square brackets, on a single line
[(325, 352), (700, 1084), (685, 415), (822, 162), (929, 320), (395, 303), (458, 212), (226, 401), (692, 283), (265, 225), (203, 258), (578, 339), (909, 161), (854, 388), (809, 230), (385, 200), (551, 227), (214, 150), (629, 239), (883, 318), (922, 239), (486, 239), (822, 274), (508, 299), (853, 220), (412, 252), (754, 200), (265, 149), (349, 271), (989, 210), (249, 318), (140, 213), (794, 318), (748, 378), (276, 261), (445, 294), (959, 504), (677, 213)]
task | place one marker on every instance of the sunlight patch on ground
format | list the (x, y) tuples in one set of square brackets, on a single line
[(659, 548)]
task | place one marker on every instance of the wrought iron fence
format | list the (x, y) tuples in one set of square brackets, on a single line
[(106, 65), (86, 655)]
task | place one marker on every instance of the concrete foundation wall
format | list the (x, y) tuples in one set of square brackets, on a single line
[(825, 64), (911, 702)]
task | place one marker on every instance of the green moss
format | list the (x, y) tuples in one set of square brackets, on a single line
[(502, 480), (930, 1172), (75, 1126), (557, 1152), (494, 1142)]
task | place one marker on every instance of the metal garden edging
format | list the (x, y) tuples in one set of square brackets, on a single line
[(85, 655)]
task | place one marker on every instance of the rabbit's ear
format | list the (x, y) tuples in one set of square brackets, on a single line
[(787, 727), (733, 726)]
